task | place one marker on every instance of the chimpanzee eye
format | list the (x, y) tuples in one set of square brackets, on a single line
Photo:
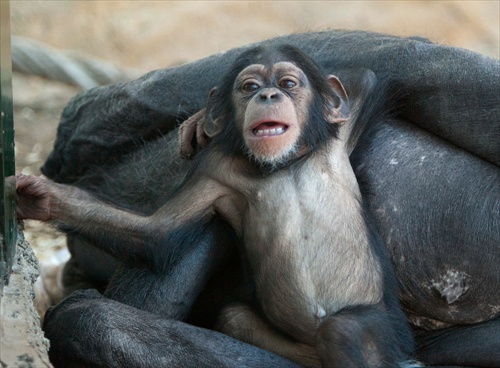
[(287, 83), (250, 87)]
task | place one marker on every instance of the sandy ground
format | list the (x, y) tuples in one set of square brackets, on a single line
[(143, 35)]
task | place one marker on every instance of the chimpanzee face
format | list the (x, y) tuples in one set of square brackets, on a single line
[(271, 106)]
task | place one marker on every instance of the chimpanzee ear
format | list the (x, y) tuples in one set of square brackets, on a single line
[(339, 110), (212, 126)]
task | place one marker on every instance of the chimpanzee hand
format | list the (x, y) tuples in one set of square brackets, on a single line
[(192, 132), (36, 198)]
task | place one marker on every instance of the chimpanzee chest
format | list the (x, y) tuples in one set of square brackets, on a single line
[(304, 246)]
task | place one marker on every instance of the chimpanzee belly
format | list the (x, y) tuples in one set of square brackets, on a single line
[(309, 255), (438, 210)]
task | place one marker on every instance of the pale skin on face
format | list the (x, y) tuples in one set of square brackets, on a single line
[(272, 104)]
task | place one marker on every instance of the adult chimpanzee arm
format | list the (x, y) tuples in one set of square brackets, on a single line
[(131, 238), (452, 93)]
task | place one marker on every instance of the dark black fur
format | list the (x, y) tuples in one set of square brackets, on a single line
[(430, 233), (89, 330)]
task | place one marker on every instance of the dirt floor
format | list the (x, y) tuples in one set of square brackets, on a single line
[(138, 36)]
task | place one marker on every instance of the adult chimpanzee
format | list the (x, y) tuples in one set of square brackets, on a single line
[(436, 205), (278, 172)]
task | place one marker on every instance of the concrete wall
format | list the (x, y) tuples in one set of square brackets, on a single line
[(22, 343)]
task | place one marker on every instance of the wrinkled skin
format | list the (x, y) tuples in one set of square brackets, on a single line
[(438, 214)]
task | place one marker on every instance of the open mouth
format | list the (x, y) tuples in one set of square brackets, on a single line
[(269, 129)]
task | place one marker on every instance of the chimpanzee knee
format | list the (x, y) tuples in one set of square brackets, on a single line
[(360, 336)]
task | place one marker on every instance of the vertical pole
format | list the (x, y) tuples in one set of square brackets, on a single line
[(8, 227)]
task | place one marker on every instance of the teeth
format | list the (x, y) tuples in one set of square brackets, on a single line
[(271, 132)]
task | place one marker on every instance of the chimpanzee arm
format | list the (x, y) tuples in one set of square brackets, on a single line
[(131, 238)]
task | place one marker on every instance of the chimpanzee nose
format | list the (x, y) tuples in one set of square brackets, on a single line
[(269, 94)]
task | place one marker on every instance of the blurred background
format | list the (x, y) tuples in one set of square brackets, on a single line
[(139, 36), (155, 34)]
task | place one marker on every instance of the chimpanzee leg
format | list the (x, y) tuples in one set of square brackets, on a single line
[(473, 345), (89, 330), (359, 336), (172, 294), (242, 322)]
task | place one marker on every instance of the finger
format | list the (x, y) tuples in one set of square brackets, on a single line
[(31, 185), (22, 181), (185, 146), (201, 137)]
